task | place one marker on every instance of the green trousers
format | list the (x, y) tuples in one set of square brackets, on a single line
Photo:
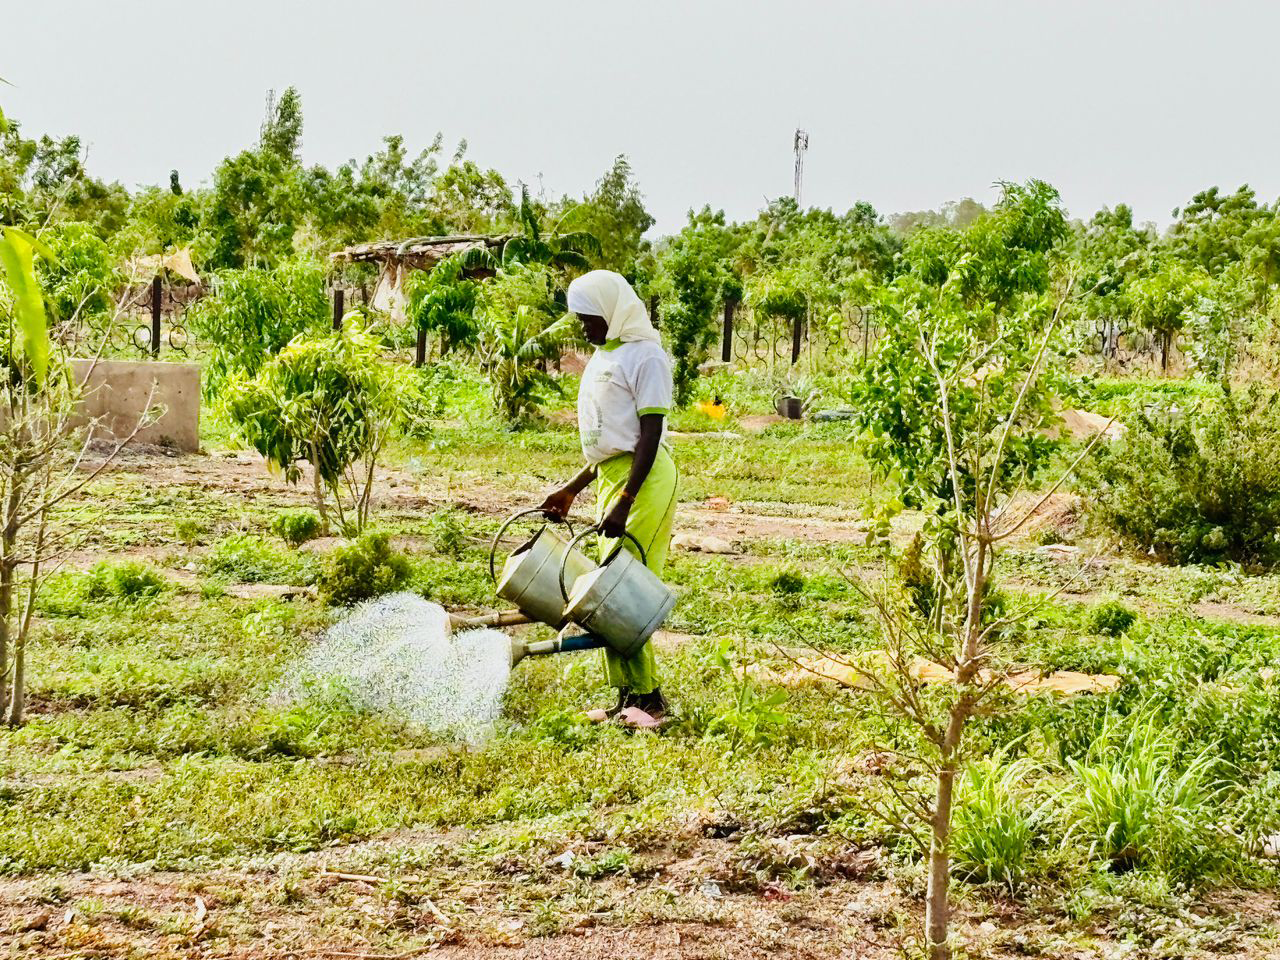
[(649, 522)]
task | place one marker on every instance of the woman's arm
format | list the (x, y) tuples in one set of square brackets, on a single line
[(558, 502), (615, 522)]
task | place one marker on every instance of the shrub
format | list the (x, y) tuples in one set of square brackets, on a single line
[(249, 559), (296, 527), (366, 567), (328, 401), (1112, 618), (448, 533), (787, 582), (188, 531), (1199, 485), (127, 580)]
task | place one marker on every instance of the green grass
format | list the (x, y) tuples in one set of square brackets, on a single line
[(154, 738)]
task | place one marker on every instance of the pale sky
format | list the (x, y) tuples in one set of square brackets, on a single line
[(907, 104)]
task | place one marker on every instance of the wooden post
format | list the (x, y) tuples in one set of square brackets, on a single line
[(726, 346), (420, 355), (797, 331), (156, 293), (338, 311)]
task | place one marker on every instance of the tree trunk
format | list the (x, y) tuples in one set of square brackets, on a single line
[(11, 657), (317, 490), (937, 910), (18, 692)]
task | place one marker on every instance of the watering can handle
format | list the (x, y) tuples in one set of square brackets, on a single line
[(564, 563), (497, 537)]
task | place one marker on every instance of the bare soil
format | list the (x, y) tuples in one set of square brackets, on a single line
[(681, 904)]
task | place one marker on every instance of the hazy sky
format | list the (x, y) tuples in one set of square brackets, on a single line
[(907, 104)]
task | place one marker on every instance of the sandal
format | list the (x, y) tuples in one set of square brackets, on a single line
[(601, 715)]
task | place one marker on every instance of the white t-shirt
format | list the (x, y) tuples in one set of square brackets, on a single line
[(621, 382)]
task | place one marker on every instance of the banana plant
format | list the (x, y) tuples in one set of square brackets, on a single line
[(531, 245), (513, 352)]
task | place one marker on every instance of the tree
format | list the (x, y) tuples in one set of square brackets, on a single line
[(253, 314), (329, 401), (615, 214), (524, 327), (953, 407), (43, 445), (696, 278), (532, 245), (258, 202), (1161, 299), (444, 301)]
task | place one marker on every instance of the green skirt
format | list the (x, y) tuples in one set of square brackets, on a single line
[(649, 521)]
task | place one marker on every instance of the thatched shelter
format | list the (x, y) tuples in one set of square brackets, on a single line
[(398, 257)]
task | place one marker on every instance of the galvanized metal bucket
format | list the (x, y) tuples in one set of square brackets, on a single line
[(621, 601), (531, 574)]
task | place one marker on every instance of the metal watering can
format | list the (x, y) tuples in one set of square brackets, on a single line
[(532, 573), (621, 602)]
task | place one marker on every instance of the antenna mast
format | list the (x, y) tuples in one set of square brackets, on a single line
[(801, 145)]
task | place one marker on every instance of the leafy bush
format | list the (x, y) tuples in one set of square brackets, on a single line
[(125, 581), (253, 314), (248, 559), (188, 531), (366, 567), (296, 527), (1199, 485), (448, 533), (1111, 617), (328, 401)]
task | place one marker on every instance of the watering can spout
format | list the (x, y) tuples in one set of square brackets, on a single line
[(566, 642)]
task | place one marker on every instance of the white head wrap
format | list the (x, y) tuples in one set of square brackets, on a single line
[(603, 293)]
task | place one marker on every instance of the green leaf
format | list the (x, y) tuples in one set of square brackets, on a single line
[(28, 302), (36, 244)]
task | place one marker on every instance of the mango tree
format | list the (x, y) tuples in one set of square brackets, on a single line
[(328, 401)]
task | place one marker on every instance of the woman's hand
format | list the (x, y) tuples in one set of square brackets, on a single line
[(558, 502), (614, 524)]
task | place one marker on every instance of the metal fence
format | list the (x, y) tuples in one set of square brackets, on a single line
[(820, 342)]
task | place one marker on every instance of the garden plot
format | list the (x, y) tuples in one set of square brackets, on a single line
[(156, 774)]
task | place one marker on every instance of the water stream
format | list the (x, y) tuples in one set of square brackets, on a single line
[(395, 654)]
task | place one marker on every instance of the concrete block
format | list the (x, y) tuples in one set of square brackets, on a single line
[(116, 394)]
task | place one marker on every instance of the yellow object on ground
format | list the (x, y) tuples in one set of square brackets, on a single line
[(851, 673), (649, 522)]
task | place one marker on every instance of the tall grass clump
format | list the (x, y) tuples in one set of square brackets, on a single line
[(1136, 806), (998, 820)]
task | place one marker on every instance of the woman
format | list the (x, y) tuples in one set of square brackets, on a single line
[(622, 408)]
